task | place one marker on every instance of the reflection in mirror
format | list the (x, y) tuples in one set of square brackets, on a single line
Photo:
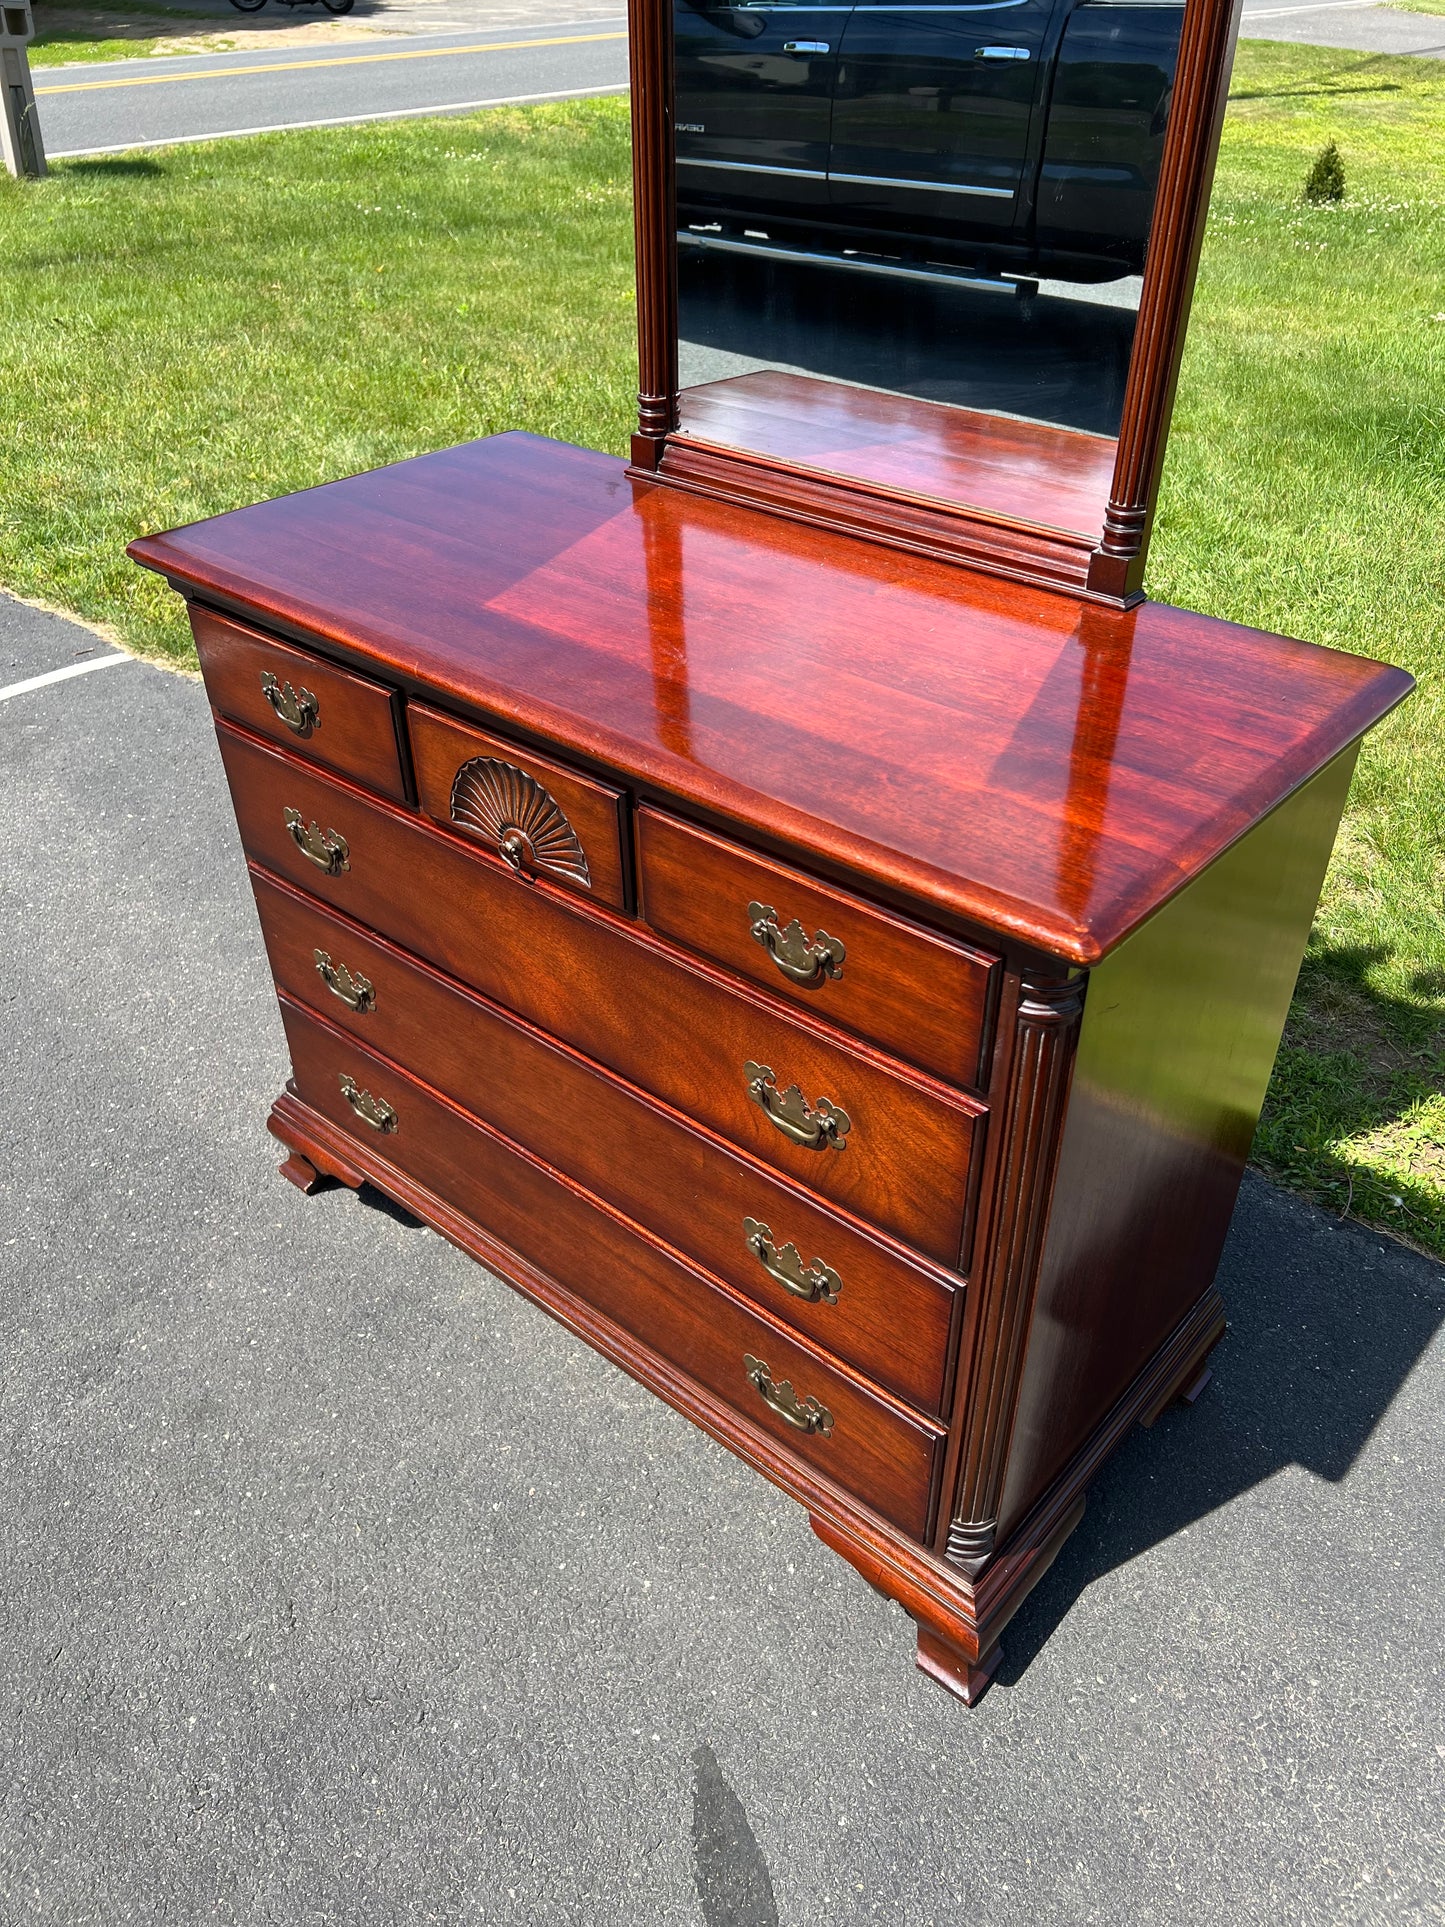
[(910, 239)]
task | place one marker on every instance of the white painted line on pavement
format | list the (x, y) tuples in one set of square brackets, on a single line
[(1321, 6), (60, 675), (339, 120)]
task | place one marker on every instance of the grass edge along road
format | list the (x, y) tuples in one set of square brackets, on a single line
[(189, 331)]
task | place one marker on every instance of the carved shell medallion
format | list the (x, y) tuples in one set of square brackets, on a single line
[(513, 812)]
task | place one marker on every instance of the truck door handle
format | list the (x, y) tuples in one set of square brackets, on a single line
[(806, 47), (1000, 53)]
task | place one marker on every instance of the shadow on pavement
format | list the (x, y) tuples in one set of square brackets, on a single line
[(1326, 1321)]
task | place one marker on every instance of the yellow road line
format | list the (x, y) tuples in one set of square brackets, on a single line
[(342, 60)]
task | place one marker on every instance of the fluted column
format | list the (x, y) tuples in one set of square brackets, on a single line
[(654, 197), (1032, 1123)]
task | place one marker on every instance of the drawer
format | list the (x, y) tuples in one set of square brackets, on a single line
[(925, 997), (867, 1445), (843, 1288), (313, 706), (540, 817), (678, 1029)]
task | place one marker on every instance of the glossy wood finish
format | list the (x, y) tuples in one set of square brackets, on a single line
[(874, 1447), (440, 746), (908, 1160), (893, 1316), (1108, 562), (1017, 471), (353, 726), (1130, 813), (910, 991), (1179, 1033), (975, 754)]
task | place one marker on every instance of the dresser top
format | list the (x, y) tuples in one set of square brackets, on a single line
[(1003, 754)]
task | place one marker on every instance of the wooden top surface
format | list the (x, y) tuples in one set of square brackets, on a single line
[(1055, 478), (1003, 754)]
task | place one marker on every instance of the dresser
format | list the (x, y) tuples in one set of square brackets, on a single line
[(838, 985)]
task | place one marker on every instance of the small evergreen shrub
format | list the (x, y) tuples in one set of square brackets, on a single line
[(1325, 181)]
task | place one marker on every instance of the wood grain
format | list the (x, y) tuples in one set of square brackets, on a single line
[(975, 754), (675, 1027), (441, 745), (874, 1447), (1020, 471), (353, 727), (911, 991), (893, 1317)]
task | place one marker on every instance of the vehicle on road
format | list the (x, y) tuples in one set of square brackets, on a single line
[(1011, 136), (331, 6)]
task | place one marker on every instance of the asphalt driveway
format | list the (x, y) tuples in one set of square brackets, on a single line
[(339, 1585)]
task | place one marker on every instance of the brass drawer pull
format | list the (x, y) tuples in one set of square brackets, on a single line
[(327, 849), (816, 1128), (786, 1268), (806, 1414), (374, 1111), (803, 962), (300, 711), (358, 993)]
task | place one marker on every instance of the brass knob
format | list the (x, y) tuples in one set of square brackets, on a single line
[(803, 962), (298, 709), (786, 1268), (804, 1414), (816, 1127), (327, 849)]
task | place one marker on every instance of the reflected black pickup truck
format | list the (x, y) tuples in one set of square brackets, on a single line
[(1018, 135)]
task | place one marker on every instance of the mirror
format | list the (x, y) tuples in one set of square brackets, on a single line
[(911, 240)]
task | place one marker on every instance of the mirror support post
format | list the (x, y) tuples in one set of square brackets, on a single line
[(1186, 174), (654, 184)]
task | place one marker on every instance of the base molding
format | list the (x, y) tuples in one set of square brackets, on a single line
[(959, 1618)]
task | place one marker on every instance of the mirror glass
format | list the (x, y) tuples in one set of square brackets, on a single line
[(911, 239)]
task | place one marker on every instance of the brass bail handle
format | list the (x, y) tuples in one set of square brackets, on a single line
[(298, 709), (799, 960), (358, 993), (813, 1283), (327, 849), (803, 1414), (817, 1127), (374, 1111)]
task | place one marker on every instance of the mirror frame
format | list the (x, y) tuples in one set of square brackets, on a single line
[(1109, 568)]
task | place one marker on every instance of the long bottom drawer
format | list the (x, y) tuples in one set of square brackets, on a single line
[(874, 1449)]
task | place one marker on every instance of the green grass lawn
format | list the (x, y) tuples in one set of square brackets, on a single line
[(81, 31), (1305, 492), (186, 332)]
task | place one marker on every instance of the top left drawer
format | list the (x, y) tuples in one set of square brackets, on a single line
[(313, 706)]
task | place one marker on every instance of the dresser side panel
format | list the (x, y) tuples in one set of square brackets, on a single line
[(1180, 1031)]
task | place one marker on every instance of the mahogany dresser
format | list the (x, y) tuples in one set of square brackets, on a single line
[(839, 985)]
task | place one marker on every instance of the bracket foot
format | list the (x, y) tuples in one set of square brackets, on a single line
[(968, 1679)]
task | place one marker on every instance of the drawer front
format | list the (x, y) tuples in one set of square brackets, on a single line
[(314, 707), (922, 996), (869, 1446), (538, 816), (843, 1289), (681, 1032)]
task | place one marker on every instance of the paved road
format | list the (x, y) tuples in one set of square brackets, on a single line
[(491, 51), (109, 107), (1348, 23), (338, 1585)]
